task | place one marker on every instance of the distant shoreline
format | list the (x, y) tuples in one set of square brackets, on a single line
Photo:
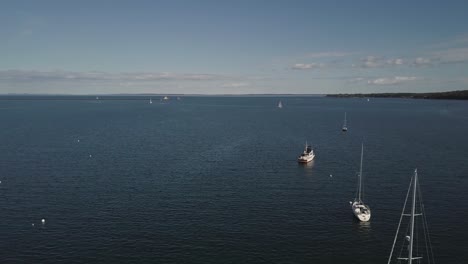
[(452, 95)]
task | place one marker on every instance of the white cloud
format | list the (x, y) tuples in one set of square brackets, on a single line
[(391, 80), (356, 80), (235, 85), (377, 62), (453, 55), (20, 75), (420, 61), (398, 61), (372, 62), (328, 54), (309, 66)]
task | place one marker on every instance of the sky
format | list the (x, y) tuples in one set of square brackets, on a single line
[(232, 47)]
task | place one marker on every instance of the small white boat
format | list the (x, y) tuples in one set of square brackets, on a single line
[(280, 105), (306, 156), (360, 210), (344, 128), (166, 98), (151, 101)]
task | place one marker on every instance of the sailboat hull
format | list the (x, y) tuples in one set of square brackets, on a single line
[(361, 211), (306, 159)]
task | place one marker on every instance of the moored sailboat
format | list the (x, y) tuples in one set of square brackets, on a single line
[(344, 128), (306, 156), (359, 208)]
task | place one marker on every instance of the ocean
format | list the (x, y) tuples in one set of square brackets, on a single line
[(216, 180)]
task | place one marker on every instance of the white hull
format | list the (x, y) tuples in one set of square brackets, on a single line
[(305, 159), (306, 156), (361, 211)]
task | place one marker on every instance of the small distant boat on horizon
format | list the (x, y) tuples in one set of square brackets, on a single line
[(344, 128), (280, 105), (166, 98), (97, 97), (306, 156), (360, 210), (151, 101)]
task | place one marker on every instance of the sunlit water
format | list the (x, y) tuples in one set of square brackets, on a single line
[(215, 179)]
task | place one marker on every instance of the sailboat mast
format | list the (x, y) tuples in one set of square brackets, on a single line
[(410, 254), (360, 173)]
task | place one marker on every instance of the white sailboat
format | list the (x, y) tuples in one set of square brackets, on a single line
[(306, 156), (360, 210), (151, 101), (280, 105), (344, 128), (412, 238)]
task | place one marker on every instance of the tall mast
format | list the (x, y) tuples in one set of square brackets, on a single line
[(360, 173), (410, 254), (344, 119)]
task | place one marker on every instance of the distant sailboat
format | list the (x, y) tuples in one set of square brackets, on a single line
[(280, 105), (411, 237), (166, 98), (344, 128), (151, 101), (360, 210)]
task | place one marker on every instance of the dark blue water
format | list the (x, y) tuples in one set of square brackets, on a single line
[(215, 179)]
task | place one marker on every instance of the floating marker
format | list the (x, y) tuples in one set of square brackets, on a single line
[(331, 175), (78, 140), (90, 156), (43, 221), (32, 224)]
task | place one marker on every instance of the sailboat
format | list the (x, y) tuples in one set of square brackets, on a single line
[(151, 101), (280, 105), (412, 238), (344, 128), (360, 210), (306, 156)]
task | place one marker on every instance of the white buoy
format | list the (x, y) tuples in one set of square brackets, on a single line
[(78, 140), (32, 224), (90, 156), (331, 175), (43, 221)]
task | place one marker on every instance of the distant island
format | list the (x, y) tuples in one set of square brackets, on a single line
[(453, 95)]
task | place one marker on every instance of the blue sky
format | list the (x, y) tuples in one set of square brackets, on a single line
[(233, 47)]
